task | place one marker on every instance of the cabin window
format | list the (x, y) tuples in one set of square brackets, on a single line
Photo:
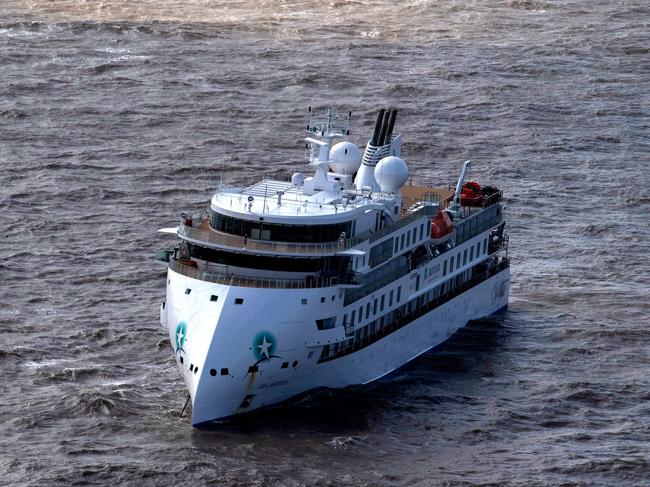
[(458, 261), (390, 298), (284, 365), (253, 368), (374, 307), (303, 301), (401, 241), (422, 231), (322, 299), (408, 238), (239, 300), (465, 257), (381, 305), (352, 317), (399, 293), (360, 313), (188, 290), (444, 268), (451, 265), (396, 246), (214, 298), (225, 371), (471, 253), (367, 310)]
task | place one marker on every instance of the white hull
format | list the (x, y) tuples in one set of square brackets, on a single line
[(219, 335)]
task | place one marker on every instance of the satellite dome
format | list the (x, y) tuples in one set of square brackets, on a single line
[(345, 158), (391, 173), (297, 179)]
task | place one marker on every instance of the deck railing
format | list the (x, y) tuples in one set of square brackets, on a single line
[(293, 248), (220, 277)]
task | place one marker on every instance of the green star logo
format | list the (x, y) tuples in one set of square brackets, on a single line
[(181, 335), (264, 346)]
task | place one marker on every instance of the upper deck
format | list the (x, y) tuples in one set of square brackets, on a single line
[(199, 230), (282, 202)]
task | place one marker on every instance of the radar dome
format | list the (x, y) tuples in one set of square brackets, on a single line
[(297, 179), (391, 173), (345, 158)]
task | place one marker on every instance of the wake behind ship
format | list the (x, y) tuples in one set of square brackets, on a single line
[(329, 280)]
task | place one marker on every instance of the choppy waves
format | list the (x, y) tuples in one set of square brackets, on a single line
[(115, 117)]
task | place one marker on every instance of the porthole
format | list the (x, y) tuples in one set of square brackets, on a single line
[(213, 372)]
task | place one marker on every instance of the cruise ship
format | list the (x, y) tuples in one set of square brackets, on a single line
[(329, 279)]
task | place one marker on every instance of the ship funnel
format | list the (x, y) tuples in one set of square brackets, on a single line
[(382, 144)]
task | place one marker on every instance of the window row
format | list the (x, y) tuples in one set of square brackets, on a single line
[(373, 307), (471, 252), (261, 230)]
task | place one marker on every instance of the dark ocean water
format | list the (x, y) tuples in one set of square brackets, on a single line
[(116, 116)]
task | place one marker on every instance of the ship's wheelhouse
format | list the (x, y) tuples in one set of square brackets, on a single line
[(262, 229)]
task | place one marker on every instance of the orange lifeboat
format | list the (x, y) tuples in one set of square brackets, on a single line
[(471, 194), (441, 225)]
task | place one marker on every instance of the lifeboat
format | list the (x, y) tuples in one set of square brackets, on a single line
[(471, 194), (441, 225)]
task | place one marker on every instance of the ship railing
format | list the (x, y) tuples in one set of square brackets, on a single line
[(188, 228), (471, 226), (220, 277), (426, 210)]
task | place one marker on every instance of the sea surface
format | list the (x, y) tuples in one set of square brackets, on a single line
[(116, 116)]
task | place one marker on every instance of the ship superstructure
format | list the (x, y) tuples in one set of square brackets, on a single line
[(328, 280)]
